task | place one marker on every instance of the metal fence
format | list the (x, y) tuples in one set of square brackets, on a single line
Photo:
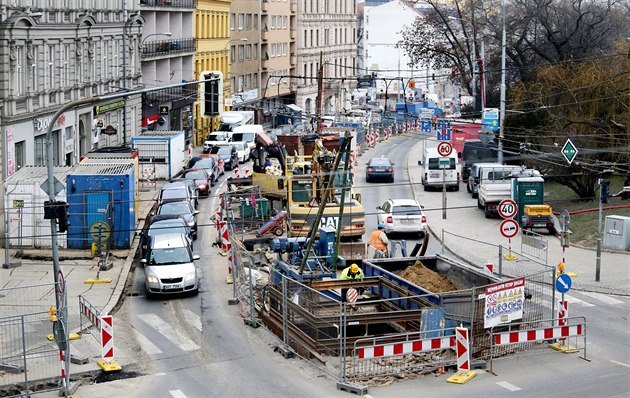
[(28, 360)]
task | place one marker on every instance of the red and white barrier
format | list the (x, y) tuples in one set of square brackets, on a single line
[(531, 335), (563, 314), (107, 337), (407, 347), (463, 353)]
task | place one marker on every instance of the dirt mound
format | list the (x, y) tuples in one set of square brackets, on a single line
[(422, 276)]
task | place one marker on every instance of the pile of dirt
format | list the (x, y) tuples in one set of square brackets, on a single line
[(420, 275)]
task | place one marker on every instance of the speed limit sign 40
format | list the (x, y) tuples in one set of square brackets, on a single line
[(507, 208), (444, 149)]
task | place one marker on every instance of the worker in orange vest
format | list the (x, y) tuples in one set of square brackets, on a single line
[(379, 241)]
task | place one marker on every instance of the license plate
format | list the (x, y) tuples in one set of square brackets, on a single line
[(435, 175), (540, 225), (407, 221), (173, 287)]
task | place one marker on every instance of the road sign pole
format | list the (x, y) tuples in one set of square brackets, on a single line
[(443, 194), (598, 255)]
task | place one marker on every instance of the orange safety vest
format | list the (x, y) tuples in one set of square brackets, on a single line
[(376, 242)]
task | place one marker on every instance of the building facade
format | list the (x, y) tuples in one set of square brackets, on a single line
[(212, 33), (167, 51), (327, 30)]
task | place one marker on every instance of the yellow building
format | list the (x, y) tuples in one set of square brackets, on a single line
[(212, 31)]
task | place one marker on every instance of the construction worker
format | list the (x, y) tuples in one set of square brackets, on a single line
[(379, 242), (350, 273)]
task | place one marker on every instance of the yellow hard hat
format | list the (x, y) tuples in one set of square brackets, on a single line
[(354, 268)]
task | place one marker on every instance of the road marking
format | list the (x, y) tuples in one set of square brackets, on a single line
[(167, 331), (177, 394), (575, 300), (620, 363), (146, 344), (193, 319), (508, 386), (603, 298)]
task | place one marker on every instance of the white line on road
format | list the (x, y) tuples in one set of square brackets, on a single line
[(193, 319), (603, 298), (508, 386), (620, 363), (167, 331), (177, 394), (146, 344)]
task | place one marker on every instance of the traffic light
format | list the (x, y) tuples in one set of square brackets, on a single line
[(62, 216), (212, 93), (605, 191)]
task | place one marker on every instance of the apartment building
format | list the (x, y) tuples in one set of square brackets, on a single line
[(245, 54), (54, 54), (167, 52), (212, 34), (327, 29)]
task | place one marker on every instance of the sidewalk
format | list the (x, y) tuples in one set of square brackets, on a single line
[(77, 267), (615, 266)]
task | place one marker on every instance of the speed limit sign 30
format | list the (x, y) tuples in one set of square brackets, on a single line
[(507, 208)]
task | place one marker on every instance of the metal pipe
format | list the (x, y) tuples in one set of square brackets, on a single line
[(502, 114)]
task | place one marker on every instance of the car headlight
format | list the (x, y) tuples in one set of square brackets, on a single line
[(152, 279), (189, 277)]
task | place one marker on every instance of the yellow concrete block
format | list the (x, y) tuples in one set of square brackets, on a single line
[(109, 366), (461, 377), (564, 348), (93, 281), (71, 336)]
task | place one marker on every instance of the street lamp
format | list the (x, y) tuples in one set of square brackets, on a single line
[(169, 34), (473, 60)]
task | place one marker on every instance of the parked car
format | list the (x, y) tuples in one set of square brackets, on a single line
[(209, 164), (169, 267), (242, 151), (402, 215), (227, 153), (379, 169), (176, 193), (163, 225), (189, 184), (202, 179), (184, 209)]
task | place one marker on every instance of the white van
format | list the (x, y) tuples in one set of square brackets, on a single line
[(216, 138), (434, 175), (228, 121), (247, 133), (473, 179)]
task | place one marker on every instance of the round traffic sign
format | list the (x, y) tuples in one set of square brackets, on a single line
[(61, 282), (509, 228), (507, 208), (563, 283), (102, 228), (444, 148)]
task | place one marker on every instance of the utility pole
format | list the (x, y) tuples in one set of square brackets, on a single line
[(502, 115), (320, 92), (124, 57)]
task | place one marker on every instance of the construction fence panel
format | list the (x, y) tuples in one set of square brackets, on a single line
[(28, 360)]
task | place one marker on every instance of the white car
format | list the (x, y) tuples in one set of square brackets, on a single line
[(402, 216), (242, 150)]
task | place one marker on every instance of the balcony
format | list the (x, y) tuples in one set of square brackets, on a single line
[(170, 3), (160, 48), (293, 34), (293, 59), (264, 5), (293, 7), (264, 35)]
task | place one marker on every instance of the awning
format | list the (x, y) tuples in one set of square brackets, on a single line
[(149, 120)]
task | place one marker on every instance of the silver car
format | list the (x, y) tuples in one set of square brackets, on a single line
[(402, 216), (169, 267)]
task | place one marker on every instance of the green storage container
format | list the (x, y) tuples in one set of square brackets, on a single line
[(527, 191), (248, 210)]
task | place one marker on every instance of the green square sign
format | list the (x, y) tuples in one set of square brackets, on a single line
[(569, 151)]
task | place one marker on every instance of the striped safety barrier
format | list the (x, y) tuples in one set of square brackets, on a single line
[(532, 335), (407, 347)]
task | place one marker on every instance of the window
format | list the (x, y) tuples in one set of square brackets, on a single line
[(19, 155), (240, 52), (232, 21), (248, 51), (116, 66), (255, 51), (240, 21), (284, 22), (248, 21), (232, 54), (255, 80), (68, 134), (284, 48), (19, 73), (65, 66), (51, 67), (255, 21), (273, 22), (105, 57), (272, 50), (305, 38), (33, 70)]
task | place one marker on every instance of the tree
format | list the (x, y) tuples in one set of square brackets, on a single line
[(587, 102)]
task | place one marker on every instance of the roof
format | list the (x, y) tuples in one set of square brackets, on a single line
[(31, 174), (103, 169), (405, 202)]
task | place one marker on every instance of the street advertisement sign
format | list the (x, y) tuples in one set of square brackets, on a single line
[(504, 302), (491, 118)]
